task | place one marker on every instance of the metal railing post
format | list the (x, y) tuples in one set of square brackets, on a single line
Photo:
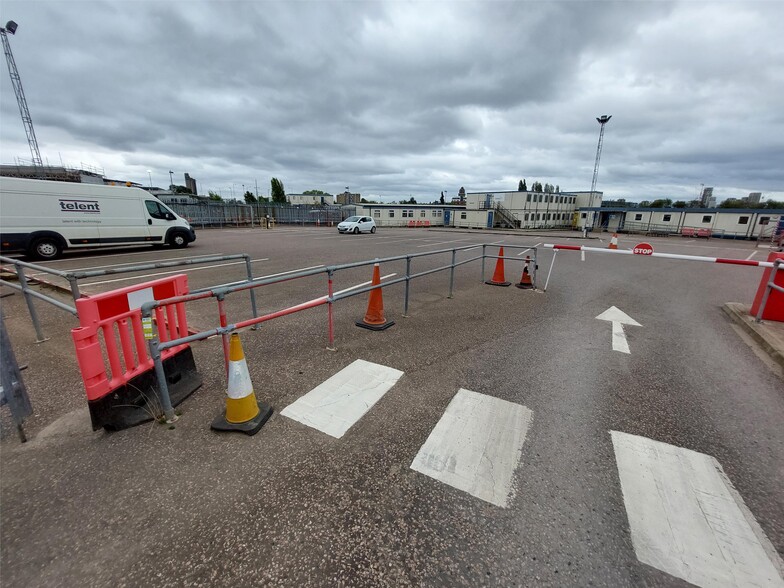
[(452, 273), (408, 282), (330, 322), (223, 323), (74, 283), (163, 387), (533, 270), (484, 253), (249, 270), (30, 306)]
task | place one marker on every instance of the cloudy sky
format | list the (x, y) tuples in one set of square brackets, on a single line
[(397, 99)]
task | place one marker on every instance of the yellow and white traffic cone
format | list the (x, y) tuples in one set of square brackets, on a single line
[(243, 412)]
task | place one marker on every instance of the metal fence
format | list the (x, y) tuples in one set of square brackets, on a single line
[(221, 214)]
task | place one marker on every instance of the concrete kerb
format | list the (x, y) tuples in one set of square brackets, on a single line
[(768, 334)]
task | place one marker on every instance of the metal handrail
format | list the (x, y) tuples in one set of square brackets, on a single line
[(156, 346)]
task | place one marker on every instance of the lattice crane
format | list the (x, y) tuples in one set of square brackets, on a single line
[(16, 82)]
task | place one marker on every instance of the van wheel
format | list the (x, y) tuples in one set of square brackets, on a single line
[(178, 240), (46, 248)]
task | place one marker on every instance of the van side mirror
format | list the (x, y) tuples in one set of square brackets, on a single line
[(169, 216)]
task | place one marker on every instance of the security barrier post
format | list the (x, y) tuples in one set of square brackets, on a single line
[(223, 323), (160, 374), (30, 307), (74, 283), (408, 281), (777, 266), (452, 273)]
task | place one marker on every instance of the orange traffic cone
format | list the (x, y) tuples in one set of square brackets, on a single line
[(374, 317), (525, 280), (613, 242), (243, 412), (498, 276)]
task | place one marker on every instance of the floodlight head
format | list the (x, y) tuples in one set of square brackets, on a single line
[(11, 27), (604, 119)]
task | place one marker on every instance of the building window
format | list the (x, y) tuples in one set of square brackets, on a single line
[(405, 213), (391, 213), (526, 216), (707, 218), (434, 213), (423, 213), (764, 220), (637, 217), (541, 197), (548, 216), (666, 218), (583, 215), (462, 215), (744, 220), (528, 198), (538, 216), (376, 214)]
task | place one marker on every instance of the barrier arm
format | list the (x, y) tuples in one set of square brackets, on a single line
[(726, 260)]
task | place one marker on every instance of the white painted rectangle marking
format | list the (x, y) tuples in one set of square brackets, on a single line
[(476, 446), (619, 342), (688, 520), (335, 405)]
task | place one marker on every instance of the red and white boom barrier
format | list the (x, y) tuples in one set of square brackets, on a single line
[(647, 249)]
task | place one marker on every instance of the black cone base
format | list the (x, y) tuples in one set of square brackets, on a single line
[(250, 427), (365, 325), (504, 284), (523, 286)]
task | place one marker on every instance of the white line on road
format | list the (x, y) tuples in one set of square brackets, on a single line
[(99, 253), (179, 271), (753, 253), (163, 260), (442, 242), (476, 445), (529, 249), (688, 520), (582, 255), (335, 405)]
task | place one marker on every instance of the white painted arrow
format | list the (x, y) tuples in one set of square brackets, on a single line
[(618, 318)]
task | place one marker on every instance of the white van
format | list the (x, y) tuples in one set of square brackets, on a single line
[(43, 218)]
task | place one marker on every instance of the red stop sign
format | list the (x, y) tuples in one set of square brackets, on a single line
[(643, 249)]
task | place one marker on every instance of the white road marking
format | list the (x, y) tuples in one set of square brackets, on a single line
[(582, 255), (302, 269), (99, 253), (476, 445), (179, 271), (442, 242), (529, 249), (161, 260), (753, 253), (335, 405), (618, 319), (688, 520)]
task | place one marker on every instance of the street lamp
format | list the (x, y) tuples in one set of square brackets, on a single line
[(602, 120), (149, 174), (171, 180)]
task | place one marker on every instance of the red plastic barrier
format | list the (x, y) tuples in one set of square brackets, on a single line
[(774, 307), (411, 223), (427, 223), (688, 231), (116, 315), (703, 233)]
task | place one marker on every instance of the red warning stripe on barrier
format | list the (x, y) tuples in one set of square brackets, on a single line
[(746, 262)]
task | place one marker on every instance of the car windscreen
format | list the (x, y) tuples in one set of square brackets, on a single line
[(353, 219)]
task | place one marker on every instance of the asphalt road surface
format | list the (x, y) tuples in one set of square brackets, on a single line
[(500, 439)]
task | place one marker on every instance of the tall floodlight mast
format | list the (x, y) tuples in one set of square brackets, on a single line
[(602, 120), (16, 82)]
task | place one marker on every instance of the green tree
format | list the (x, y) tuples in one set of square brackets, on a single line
[(557, 189), (214, 196), (679, 204), (733, 203), (441, 200), (316, 193), (525, 188), (180, 189), (249, 197), (661, 203), (693, 204), (645, 204), (520, 186), (277, 191), (770, 204)]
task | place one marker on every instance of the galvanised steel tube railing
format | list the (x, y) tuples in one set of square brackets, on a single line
[(156, 346)]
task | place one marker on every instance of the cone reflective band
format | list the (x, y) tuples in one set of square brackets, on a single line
[(243, 412), (498, 275), (241, 401)]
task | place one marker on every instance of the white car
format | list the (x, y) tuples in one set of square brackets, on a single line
[(357, 224)]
